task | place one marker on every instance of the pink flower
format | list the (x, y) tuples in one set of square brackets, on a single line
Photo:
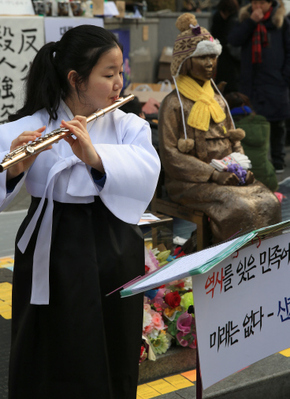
[(157, 321), (148, 329), (186, 326), (183, 342), (193, 344), (147, 307), (157, 306), (184, 322), (160, 293), (153, 259)]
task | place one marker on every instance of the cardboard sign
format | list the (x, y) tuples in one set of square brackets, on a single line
[(121, 6), (98, 7)]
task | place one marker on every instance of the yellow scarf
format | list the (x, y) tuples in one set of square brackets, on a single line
[(205, 105)]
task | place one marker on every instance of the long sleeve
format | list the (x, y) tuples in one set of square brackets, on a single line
[(132, 171), (123, 142), (7, 194), (286, 42)]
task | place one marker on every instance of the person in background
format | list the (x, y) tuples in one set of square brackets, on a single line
[(189, 5), (80, 240), (256, 143), (195, 127), (263, 33), (136, 108), (228, 65)]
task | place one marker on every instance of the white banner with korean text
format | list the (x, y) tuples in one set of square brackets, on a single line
[(242, 308), (20, 39)]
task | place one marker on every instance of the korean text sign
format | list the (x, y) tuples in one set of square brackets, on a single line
[(20, 39), (242, 308)]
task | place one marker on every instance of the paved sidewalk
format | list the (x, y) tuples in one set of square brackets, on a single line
[(266, 379), (5, 327)]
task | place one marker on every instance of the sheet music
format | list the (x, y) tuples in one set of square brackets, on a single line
[(189, 265), (200, 262)]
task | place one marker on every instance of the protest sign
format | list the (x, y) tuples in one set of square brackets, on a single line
[(20, 39), (242, 308), (241, 299)]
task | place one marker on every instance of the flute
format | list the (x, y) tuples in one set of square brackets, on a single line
[(34, 147)]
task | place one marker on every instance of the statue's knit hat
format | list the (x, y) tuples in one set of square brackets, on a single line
[(193, 41)]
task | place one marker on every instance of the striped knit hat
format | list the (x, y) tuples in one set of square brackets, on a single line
[(193, 41)]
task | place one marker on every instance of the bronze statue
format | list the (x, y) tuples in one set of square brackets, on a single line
[(195, 127)]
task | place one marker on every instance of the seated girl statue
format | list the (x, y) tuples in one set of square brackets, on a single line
[(195, 127)]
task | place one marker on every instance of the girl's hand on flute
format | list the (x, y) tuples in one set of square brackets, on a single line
[(82, 145), (22, 140)]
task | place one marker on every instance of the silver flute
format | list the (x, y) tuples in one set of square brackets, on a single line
[(34, 147)]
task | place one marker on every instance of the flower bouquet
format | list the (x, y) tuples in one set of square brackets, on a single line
[(168, 317)]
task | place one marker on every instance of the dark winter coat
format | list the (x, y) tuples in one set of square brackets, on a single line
[(228, 64), (266, 84)]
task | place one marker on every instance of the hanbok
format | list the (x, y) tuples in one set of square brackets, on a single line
[(78, 243)]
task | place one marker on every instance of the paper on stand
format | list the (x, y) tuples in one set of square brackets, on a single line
[(198, 262), (189, 265)]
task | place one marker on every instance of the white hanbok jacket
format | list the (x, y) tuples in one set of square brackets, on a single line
[(131, 165)]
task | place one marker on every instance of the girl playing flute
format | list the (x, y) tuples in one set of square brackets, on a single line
[(79, 240)]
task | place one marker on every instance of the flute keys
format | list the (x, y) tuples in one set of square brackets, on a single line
[(30, 150)]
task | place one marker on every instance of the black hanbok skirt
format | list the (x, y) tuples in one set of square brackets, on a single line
[(84, 344)]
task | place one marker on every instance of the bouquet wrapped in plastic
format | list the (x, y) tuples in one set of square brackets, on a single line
[(235, 158), (235, 163)]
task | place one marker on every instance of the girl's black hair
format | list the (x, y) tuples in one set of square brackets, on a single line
[(79, 49)]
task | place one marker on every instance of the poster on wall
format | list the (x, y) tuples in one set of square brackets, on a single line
[(56, 27), (20, 40), (124, 38), (16, 7)]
